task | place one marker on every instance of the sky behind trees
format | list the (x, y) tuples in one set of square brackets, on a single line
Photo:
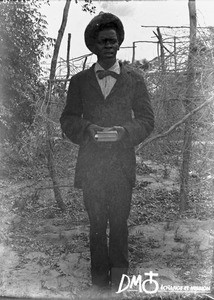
[(133, 14)]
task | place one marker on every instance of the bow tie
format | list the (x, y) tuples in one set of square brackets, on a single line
[(103, 73)]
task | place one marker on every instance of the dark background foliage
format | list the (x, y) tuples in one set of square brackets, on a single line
[(22, 38)]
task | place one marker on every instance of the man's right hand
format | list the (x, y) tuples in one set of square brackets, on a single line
[(92, 130)]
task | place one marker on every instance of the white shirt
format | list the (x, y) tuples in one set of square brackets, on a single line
[(107, 83)]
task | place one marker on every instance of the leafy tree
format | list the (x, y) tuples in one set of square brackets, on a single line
[(22, 39)]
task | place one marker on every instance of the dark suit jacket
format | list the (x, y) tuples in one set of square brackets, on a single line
[(127, 105)]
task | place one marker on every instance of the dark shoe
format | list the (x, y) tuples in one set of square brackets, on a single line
[(116, 276)]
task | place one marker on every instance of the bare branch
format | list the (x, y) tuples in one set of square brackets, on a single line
[(67, 62), (173, 127)]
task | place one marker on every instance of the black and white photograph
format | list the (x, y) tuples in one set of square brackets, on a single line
[(106, 149)]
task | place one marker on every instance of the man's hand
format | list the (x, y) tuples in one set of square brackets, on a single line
[(121, 131), (92, 130)]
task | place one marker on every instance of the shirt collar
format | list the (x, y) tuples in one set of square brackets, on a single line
[(115, 68)]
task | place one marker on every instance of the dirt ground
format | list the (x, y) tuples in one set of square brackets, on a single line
[(45, 253)]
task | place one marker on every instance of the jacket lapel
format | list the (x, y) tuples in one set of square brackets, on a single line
[(121, 80), (92, 80)]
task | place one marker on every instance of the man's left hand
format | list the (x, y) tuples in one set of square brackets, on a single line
[(121, 131)]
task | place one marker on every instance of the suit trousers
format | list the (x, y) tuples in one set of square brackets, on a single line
[(107, 196)]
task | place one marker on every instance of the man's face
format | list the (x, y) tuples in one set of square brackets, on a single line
[(106, 44)]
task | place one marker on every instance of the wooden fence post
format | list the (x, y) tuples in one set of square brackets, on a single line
[(49, 143), (188, 103)]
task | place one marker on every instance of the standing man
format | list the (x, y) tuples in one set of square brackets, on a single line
[(107, 97)]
